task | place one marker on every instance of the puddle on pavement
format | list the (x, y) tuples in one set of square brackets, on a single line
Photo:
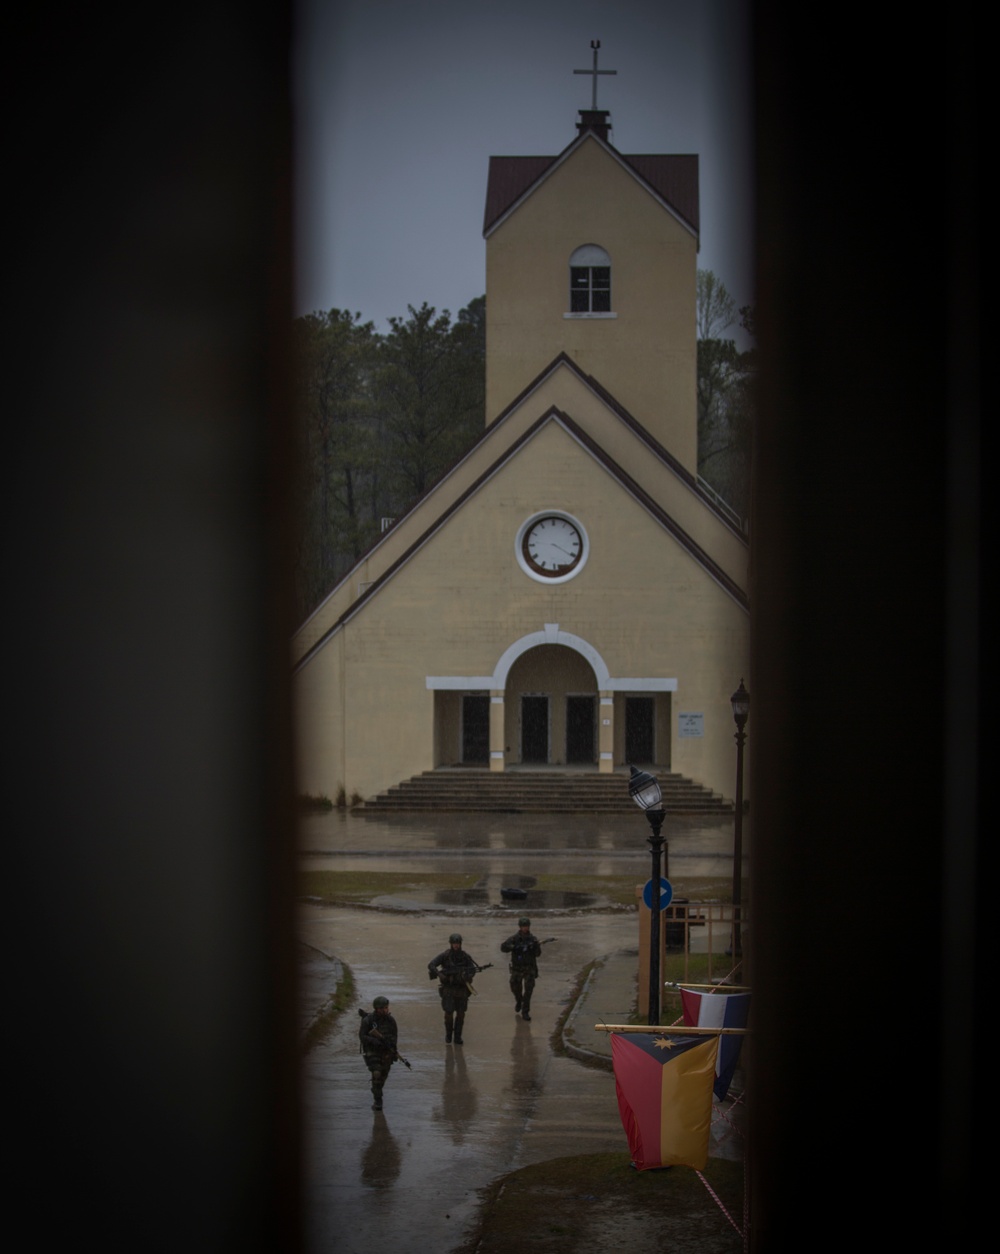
[(537, 899), (514, 894)]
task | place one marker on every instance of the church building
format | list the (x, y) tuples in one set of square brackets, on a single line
[(569, 592)]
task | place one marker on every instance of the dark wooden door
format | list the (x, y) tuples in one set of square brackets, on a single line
[(639, 746), (579, 729), (534, 729), (475, 729)]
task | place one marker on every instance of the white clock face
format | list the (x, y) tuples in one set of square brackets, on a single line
[(551, 546)]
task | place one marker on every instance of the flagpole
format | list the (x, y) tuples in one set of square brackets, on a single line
[(716, 988), (678, 1030)]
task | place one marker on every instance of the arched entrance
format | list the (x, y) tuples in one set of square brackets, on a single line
[(550, 700), (551, 708)]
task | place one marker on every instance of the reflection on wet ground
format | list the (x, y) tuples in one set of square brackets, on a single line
[(539, 899), (457, 1107), (341, 831), (465, 1115), (381, 1159), (513, 850)]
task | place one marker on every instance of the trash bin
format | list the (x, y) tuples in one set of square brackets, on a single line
[(674, 923)]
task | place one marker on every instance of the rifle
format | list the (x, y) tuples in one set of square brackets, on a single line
[(438, 974), (522, 946), (373, 1031), (518, 963), (485, 967), (471, 991), (468, 986)]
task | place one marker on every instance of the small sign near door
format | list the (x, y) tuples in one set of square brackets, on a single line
[(690, 725)]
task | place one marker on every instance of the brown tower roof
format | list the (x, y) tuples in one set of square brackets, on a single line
[(673, 178)]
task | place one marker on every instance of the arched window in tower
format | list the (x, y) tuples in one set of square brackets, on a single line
[(589, 280)]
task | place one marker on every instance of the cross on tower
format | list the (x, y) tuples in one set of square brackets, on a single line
[(595, 44)]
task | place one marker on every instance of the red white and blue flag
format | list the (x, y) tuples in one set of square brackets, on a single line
[(719, 1010), (664, 1087)]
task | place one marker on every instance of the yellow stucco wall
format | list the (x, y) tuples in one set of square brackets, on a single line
[(367, 718), (568, 393), (646, 355), (642, 606)]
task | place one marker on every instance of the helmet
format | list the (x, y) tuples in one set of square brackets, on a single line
[(381, 1003), (455, 937), (522, 922)]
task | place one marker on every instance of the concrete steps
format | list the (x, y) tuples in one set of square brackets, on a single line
[(539, 792)]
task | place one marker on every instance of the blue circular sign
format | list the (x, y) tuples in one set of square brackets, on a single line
[(666, 893)]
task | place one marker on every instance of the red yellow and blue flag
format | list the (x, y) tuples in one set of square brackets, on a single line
[(664, 1087)]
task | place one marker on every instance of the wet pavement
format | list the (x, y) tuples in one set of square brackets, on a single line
[(466, 1114), (561, 840)]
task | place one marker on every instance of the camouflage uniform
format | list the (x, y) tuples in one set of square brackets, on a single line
[(524, 949), (455, 969), (379, 1050)]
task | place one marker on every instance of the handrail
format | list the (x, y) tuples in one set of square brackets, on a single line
[(722, 505)]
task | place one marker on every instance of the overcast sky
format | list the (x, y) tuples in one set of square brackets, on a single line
[(401, 103)]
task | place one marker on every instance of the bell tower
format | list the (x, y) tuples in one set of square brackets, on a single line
[(593, 254)]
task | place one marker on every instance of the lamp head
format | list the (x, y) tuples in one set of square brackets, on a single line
[(741, 706), (644, 789)]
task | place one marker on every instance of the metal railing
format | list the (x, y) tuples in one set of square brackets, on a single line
[(723, 505), (704, 927), (700, 929)]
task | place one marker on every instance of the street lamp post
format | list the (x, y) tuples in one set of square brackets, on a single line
[(741, 712), (644, 790)]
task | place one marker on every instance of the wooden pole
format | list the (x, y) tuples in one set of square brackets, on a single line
[(679, 1030), (729, 988)]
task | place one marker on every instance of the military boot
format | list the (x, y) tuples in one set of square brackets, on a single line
[(449, 1027), (525, 1012), (459, 1020)]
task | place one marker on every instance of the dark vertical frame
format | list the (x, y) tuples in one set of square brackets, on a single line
[(152, 1005), (866, 793)]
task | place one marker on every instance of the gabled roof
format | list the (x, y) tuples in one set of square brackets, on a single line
[(561, 361), (672, 179), (634, 489), (633, 423)]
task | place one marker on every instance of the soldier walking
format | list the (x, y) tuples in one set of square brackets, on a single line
[(378, 1035), (524, 949), (455, 971)]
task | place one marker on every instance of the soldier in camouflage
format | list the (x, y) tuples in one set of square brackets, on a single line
[(524, 950), (455, 970), (378, 1035)]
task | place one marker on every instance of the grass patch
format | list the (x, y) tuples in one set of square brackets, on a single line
[(310, 804), (359, 887), (597, 1201), (620, 889), (706, 888), (698, 972), (351, 888), (697, 967), (323, 1024)]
